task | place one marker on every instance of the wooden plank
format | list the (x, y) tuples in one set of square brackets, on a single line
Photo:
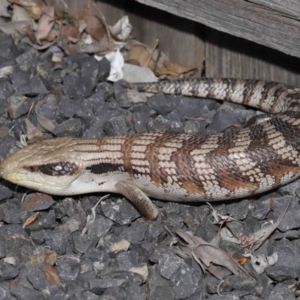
[(240, 18), (225, 55), (229, 56), (176, 36), (289, 7)]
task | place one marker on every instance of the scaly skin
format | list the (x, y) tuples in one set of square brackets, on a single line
[(170, 166)]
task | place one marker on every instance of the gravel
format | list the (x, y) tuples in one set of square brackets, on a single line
[(56, 254)]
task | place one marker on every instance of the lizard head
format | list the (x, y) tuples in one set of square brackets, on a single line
[(49, 166)]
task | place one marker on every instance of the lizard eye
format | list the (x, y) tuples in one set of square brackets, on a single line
[(55, 169)]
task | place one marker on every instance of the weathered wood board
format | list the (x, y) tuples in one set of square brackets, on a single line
[(250, 20), (196, 45)]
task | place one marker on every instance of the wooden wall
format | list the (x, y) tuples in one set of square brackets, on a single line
[(214, 53)]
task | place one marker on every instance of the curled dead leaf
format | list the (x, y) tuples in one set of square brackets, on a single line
[(30, 220), (141, 54), (94, 27), (255, 240), (43, 256), (3, 8), (43, 122), (52, 274), (241, 260), (210, 257), (33, 134), (122, 29), (33, 7), (176, 70), (45, 23)]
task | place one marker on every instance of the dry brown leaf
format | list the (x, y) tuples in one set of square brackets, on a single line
[(33, 134), (43, 122), (122, 29), (241, 261), (86, 17), (82, 47), (43, 256), (94, 27), (11, 28), (140, 54), (173, 69), (51, 274), (3, 8), (255, 240), (70, 31), (20, 14), (30, 220), (34, 8), (45, 23), (209, 256)]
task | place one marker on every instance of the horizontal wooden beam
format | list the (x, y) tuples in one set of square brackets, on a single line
[(272, 23)]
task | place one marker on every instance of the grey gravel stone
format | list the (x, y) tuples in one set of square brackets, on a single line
[(280, 293), (169, 264), (121, 212), (38, 237), (3, 247), (154, 233), (83, 242), (58, 293), (70, 127), (68, 269), (225, 297), (25, 293), (159, 286), (191, 108), (291, 219), (68, 108), (45, 220), (288, 264), (239, 210), (56, 240), (290, 188), (135, 233), (12, 211), (37, 277), (141, 114), (15, 238), (27, 60), (114, 279), (7, 141), (90, 296), (159, 123), (6, 90), (34, 86), (103, 69), (194, 126), (8, 49), (100, 227), (162, 293), (243, 283), (90, 69), (8, 271), (251, 297), (161, 104), (37, 201), (187, 279), (261, 208), (5, 294), (226, 117), (19, 105), (129, 259)]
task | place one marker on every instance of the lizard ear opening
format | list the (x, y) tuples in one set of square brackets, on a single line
[(55, 169)]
